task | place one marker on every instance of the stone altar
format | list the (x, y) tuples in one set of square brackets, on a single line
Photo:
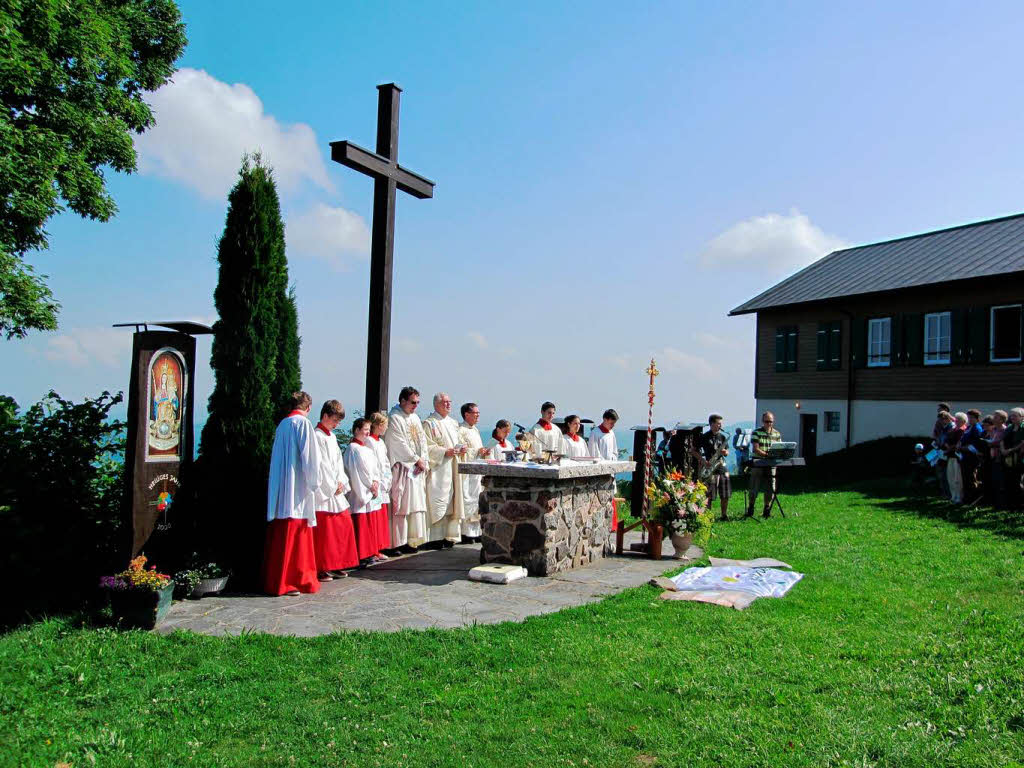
[(546, 518)]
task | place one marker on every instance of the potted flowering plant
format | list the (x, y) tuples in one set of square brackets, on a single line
[(202, 578), (680, 506), (139, 597)]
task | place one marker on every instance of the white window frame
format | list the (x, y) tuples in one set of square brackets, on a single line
[(992, 336), (949, 319), (879, 322)]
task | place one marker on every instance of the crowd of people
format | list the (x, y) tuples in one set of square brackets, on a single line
[(394, 489), (976, 458)]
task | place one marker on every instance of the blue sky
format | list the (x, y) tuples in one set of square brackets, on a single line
[(611, 181)]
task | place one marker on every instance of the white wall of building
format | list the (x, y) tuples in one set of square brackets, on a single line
[(872, 419), (787, 420)]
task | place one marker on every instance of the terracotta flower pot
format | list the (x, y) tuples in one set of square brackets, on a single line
[(140, 608), (681, 544)]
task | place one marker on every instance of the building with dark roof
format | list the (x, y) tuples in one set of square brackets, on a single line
[(866, 341)]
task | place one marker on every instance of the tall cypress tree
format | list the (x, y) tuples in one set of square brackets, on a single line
[(255, 360), (288, 375)]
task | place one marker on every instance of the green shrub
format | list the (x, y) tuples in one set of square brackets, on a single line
[(61, 483)]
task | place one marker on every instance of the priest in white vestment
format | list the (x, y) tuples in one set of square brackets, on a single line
[(472, 485), (406, 443), (572, 443), (444, 449), (546, 436), (289, 560), (334, 538)]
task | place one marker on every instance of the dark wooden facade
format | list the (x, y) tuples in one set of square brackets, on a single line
[(968, 377)]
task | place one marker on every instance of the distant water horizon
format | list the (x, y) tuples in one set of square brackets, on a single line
[(623, 437)]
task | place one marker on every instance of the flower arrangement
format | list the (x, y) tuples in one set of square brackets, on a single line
[(681, 506), (195, 580), (136, 577)]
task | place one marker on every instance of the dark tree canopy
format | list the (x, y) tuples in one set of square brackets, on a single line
[(73, 74), (255, 360)]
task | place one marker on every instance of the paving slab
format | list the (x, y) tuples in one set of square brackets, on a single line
[(421, 591)]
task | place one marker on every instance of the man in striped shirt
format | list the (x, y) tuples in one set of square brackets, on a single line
[(762, 477)]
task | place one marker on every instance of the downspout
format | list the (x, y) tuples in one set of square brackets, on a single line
[(849, 376)]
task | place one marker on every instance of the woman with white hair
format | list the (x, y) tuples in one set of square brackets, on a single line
[(954, 474)]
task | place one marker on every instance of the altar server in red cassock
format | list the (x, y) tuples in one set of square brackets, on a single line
[(289, 560), (364, 495), (334, 537), (602, 445), (382, 517)]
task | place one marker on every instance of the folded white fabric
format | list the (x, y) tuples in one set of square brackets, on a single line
[(497, 574), (762, 582)]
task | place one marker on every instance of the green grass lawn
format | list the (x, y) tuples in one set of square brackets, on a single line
[(902, 646)]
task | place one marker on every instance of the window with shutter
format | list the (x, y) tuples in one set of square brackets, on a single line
[(879, 342), (937, 338), (1005, 334), (835, 346), (830, 344)]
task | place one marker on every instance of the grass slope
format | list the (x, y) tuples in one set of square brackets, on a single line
[(902, 646)]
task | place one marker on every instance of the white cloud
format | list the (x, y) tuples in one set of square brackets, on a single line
[(407, 345), (81, 346), (477, 338), (770, 243), (204, 126), (676, 360), (328, 233), (713, 340), (619, 361)]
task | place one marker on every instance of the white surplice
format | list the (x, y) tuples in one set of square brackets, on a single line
[(577, 447), (549, 439), (444, 505), (602, 444), (384, 465), (406, 443), (361, 466), (294, 471), (332, 471), (498, 449), (472, 485)]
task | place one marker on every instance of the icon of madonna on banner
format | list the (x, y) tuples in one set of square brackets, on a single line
[(166, 397)]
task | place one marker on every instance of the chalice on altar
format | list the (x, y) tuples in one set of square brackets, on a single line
[(525, 441)]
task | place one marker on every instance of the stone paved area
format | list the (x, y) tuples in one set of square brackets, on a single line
[(429, 589)]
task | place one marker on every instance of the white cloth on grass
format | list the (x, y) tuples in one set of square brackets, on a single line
[(763, 582)]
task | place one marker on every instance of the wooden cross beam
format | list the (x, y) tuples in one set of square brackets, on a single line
[(388, 177)]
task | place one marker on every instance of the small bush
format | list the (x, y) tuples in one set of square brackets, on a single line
[(61, 482)]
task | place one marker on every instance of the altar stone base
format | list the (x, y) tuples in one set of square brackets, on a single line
[(546, 525)]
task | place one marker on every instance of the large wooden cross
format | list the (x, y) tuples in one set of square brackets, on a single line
[(388, 176)]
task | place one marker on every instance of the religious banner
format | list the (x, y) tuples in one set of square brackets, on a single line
[(160, 429)]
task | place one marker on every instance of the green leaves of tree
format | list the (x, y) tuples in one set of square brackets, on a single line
[(73, 74)]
